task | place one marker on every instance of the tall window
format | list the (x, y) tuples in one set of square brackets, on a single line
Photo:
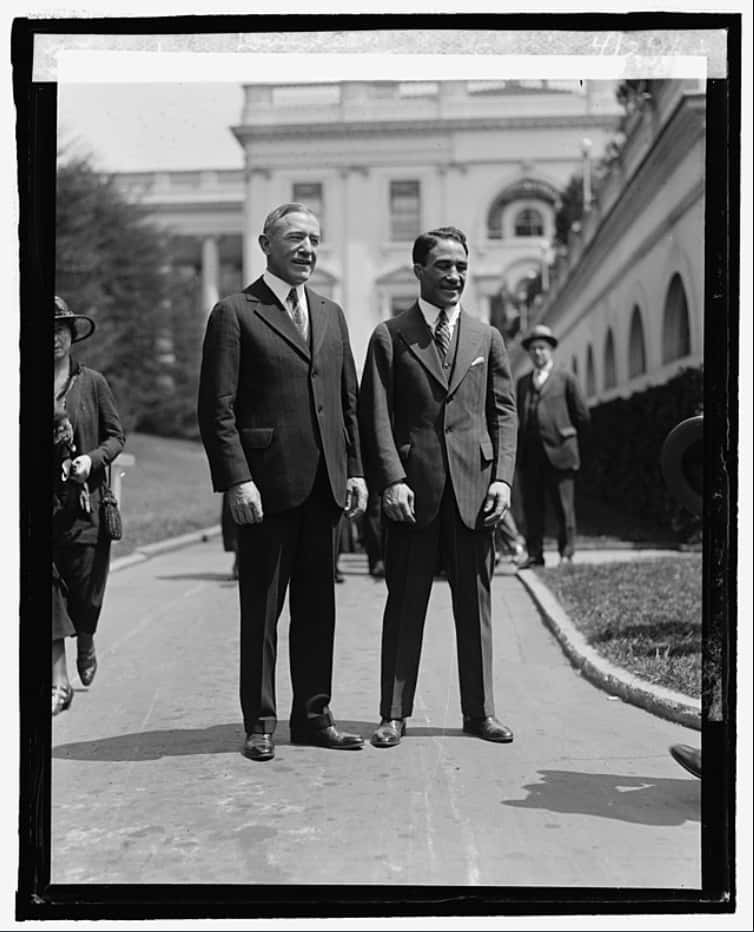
[(529, 222), (676, 342), (405, 211), (591, 381), (610, 376), (637, 355), (309, 193)]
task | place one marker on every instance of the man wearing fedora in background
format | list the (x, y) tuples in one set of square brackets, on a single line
[(553, 418)]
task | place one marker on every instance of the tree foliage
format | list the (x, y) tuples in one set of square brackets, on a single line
[(571, 208), (114, 265)]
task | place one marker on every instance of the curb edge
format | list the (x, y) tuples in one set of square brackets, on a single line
[(665, 703), (163, 546)]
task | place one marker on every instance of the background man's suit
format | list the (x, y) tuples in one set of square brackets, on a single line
[(447, 430), (283, 414), (551, 420)]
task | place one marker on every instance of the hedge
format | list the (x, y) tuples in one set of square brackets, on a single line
[(621, 460)]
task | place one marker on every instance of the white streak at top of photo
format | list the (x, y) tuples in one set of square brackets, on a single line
[(390, 55)]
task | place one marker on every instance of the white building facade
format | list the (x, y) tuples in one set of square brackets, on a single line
[(627, 300), (379, 163)]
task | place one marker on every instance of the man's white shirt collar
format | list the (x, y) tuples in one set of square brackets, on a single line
[(431, 313), (540, 375), (282, 289)]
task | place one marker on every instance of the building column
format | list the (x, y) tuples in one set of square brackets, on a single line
[(256, 208), (210, 273), (357, 263)]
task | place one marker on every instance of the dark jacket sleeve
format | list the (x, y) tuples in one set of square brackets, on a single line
[(110, 432), (383, 463), (350, 395), (502, 420), (218, 385)]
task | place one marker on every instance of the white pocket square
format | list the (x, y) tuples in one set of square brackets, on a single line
[(477, 361)]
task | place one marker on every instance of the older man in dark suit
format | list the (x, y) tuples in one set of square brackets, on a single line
[(438, 427), (277, 414), (553, 418)]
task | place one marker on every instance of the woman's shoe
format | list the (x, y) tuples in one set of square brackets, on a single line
[(62, 697), (86, 664)]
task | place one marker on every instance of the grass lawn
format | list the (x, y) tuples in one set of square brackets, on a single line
[(166, 492), (644, 615)]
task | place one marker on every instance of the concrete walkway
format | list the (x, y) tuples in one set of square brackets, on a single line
[(149, 785)]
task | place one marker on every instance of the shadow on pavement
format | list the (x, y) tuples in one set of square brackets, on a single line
[(643, 800), (152, 745), (217, 739), (209, 577)]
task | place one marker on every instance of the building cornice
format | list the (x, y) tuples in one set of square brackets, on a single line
[(274, 131)]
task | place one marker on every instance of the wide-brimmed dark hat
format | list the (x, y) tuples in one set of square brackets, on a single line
[(540, 332), (81, 326)]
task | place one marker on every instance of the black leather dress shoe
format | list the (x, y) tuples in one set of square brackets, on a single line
[(529, 562), (488, 728), (328, 737), (689, 758), (86, 664), (258, 746), (389, 733)]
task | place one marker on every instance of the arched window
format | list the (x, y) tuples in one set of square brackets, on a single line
[(521, 192), (591, 381), (676, 342), (609, 377), (637, 356), (529, 222)]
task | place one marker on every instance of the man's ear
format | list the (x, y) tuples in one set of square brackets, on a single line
[(264, 243), (418, 270)]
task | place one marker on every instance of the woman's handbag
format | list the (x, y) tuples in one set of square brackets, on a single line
[(110, 514)]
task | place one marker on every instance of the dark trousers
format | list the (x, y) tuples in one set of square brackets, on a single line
[(83, 568), (411, 558), (290, 551), (541, 481), (372, 525)]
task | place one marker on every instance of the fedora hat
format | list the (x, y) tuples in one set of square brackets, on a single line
[(81, 326), (539, 332)]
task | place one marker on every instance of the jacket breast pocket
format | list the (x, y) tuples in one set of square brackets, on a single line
[(256, 438)]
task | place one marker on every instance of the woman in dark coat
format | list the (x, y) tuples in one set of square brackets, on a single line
[(88, 436)]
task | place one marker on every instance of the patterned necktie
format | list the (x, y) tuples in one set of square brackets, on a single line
[(442, 333), (297, 312)]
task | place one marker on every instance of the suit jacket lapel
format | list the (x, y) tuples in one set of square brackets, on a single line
[(470, 339), (318, 319), (418, 338), (547, 384), (272, 313)]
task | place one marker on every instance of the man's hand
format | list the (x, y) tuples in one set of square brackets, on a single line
[(398, 503), (356, 497), (497, 501), (245, 503), (80, 468)]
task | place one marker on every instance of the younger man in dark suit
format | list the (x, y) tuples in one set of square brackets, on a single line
[(552, 418), (277, 414), (438, 427)]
